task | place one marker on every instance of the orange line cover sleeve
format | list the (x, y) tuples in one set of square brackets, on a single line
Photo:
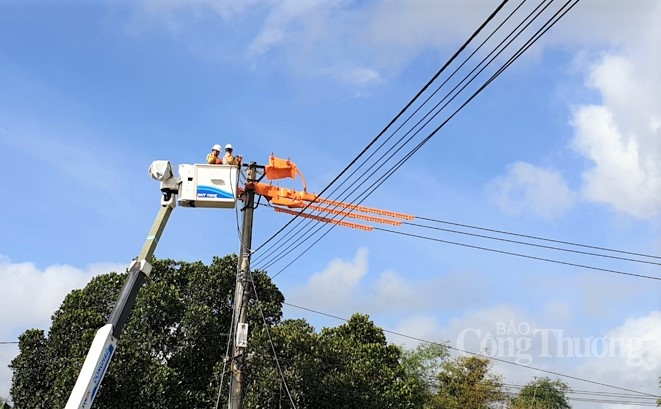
[(356, 215), (324, 219), (365, 209)]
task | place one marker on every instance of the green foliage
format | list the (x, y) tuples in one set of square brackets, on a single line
[(171, 349), (29, 382), (542, 393), (466, 382), (171, 352), (360, 369), (296, 346), (350, 366), (424, 364)]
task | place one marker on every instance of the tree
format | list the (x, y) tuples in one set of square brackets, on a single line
[(542, 393), (30, 371), (467, 383), (296, 347), (350, 366), (423, 365), (171, 349)]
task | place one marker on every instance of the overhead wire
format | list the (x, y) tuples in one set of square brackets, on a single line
[(274, 249), (594, 396), (570, 243), (231, 333), (410, 116), (588, 253), (268, 333), (402, 111), (394, 168), (383, 156), (559, 14), (568, 250), (386, 175), (576, 378)]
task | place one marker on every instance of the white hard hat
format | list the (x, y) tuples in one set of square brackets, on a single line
[(229, 146), (216, 147)]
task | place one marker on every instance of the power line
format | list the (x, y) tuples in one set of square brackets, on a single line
[(482, 355), (532, 244), (560, 13), (268, 333), (595, 396), (402, 111), (536, 237), (518, 254), (407, 156)]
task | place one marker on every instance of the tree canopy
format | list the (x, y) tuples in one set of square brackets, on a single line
[(542, 393), (466, 382), (171, 348), (172, 353)]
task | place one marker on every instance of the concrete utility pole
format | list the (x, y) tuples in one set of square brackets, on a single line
[(241, 295)]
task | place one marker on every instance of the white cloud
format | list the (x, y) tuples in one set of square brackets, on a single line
[(414, 24), (285, 19), (621, 138), (31, 295), (620, 133), (225, 8), (393, 287), (424, 326), (606, 23), (529, 189), (634, 358), (358, 76), (376, 37), (335, 285), (627, 356)]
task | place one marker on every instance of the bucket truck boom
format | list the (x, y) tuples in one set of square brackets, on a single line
[(198, 185)]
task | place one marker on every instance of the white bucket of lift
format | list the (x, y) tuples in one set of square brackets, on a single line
[(205, 185)]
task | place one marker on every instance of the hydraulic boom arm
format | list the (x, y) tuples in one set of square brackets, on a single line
[(105, 340)]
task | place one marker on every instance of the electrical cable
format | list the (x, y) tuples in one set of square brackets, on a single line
[(536, 237), (268, 333), (519, 242), (308, 221), (520, 255), (559, 14), (532, 244), (527, 45), (231, 333), (418, 123), (424, 88), (482, 355)]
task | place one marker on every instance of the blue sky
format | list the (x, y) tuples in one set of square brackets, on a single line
[(565, 145)]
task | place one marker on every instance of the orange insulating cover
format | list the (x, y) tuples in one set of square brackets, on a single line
[(280, 168), (355, 215), (324, 219), (365, 209)]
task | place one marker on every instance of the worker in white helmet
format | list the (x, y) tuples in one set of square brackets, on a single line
[(229, 158), (213, 158)]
